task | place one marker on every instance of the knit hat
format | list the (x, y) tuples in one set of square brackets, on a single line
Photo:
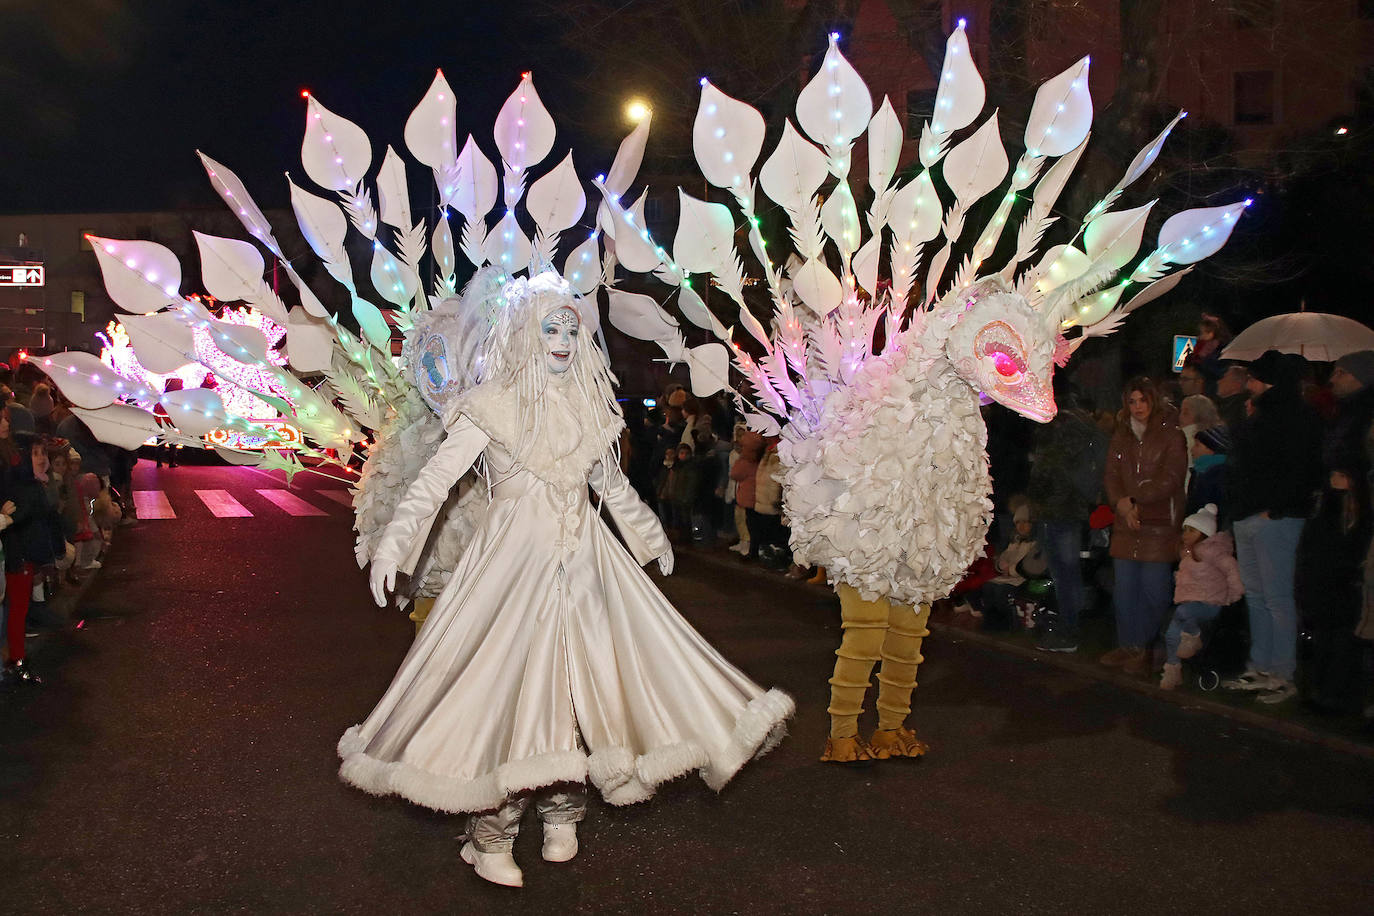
[(1274, 368), (1204, 520), (1359, 364), (1216, 438)]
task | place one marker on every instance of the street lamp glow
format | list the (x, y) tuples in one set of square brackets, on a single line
[(637, 110)]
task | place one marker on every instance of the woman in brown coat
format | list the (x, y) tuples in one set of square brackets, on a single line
[(1146, 465)]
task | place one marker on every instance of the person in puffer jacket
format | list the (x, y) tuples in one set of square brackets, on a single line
[(1208, 579)]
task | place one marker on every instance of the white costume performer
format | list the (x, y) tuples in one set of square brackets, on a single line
[(549, 657)]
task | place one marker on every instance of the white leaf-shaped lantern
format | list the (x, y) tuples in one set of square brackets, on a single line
[(978, 164), (840, 217), (372, 324), (1147, 156), (336, 152), (865, 264), (1112, 240), (556, 200), (1061, 264), (239, 342), (1094, 308), (195, 411), (628, 158), (232, 271), (695, 310), (524, 129), (640, 316), (794, 172), (1156, 289), (392, 189), (582, 269), (915, 212), (429, 133), (85, 380), (507, 246), (1193, 235), (121, 425), (322, 222), (163, 343), (231, 189), (476, 192), (709, 365), (394, 281), (441, 245), (1062, 113), (309, 342), (705, 235), (633, 248), (885, 138), (139, 276), (835, 106), (727, 136), (962, 93), (818, 287)]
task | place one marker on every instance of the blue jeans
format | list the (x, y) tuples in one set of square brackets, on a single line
[(1062, 542), (1267, 551), (1141, 597), (1186, 618)]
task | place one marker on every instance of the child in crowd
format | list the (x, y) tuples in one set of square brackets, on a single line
[(86, 535), (1019, 561), (1207, 580), (1207, 483), (743, 473)]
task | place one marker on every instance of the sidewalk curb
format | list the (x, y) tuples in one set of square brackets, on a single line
[(1089, 669)]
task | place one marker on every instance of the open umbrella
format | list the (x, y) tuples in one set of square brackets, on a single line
[(1315, 335)]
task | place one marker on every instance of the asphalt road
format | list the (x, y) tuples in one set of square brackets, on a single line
[(181, 759)]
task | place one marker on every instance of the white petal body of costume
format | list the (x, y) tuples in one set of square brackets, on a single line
[(550, 656)]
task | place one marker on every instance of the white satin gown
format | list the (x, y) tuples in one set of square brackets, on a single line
[(550, 656)]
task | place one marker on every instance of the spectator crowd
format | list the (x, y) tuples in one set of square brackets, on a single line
[(62, 494)]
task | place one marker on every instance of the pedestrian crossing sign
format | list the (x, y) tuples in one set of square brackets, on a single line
[(1184, 344)]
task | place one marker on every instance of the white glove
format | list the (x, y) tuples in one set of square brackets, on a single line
[(383, 579), (665, 563)]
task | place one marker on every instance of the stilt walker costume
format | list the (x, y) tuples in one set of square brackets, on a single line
[(549, 658), (875, 385)]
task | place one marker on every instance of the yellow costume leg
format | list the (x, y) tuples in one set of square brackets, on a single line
[(420, 613), (864, 624), (897, 678)]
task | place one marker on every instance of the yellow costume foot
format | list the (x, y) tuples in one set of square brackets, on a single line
[(846, 750), (897, 742)]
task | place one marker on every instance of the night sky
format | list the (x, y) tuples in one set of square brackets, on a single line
[(104, 103)]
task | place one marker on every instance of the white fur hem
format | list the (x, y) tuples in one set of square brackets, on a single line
[(620, 776)]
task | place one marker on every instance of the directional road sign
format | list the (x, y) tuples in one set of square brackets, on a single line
[(21, 275)]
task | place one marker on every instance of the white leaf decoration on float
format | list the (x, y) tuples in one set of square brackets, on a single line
[(140, 277), (915, 212), (1193, 235), (695, 310), (885, 137), (628, 158), (556, 200), (336, 153), (507, 246), (86, 381), (372, 324), (524, 129), (393, 192), (476, 189), (163, 342), (394, 281), (818, 287), (633, 247), (121, 425), (1113, 239), (835, 106), (429, 132), (309, 342), (727, 136), (705, 235), (239, 342), (794, 171), (582, 270), (195, 411), (1062, 113), (232, 271), (977, 165), (961, 94), (640, 316), (322, 222), (709, 366), (441, 245)]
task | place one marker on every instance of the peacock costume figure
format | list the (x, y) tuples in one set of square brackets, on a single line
[(874, 369), (549, 658)]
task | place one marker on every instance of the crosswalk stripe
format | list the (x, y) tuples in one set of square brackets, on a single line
[(222, 505), (290, 503), (151, 504), (342, 497)]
